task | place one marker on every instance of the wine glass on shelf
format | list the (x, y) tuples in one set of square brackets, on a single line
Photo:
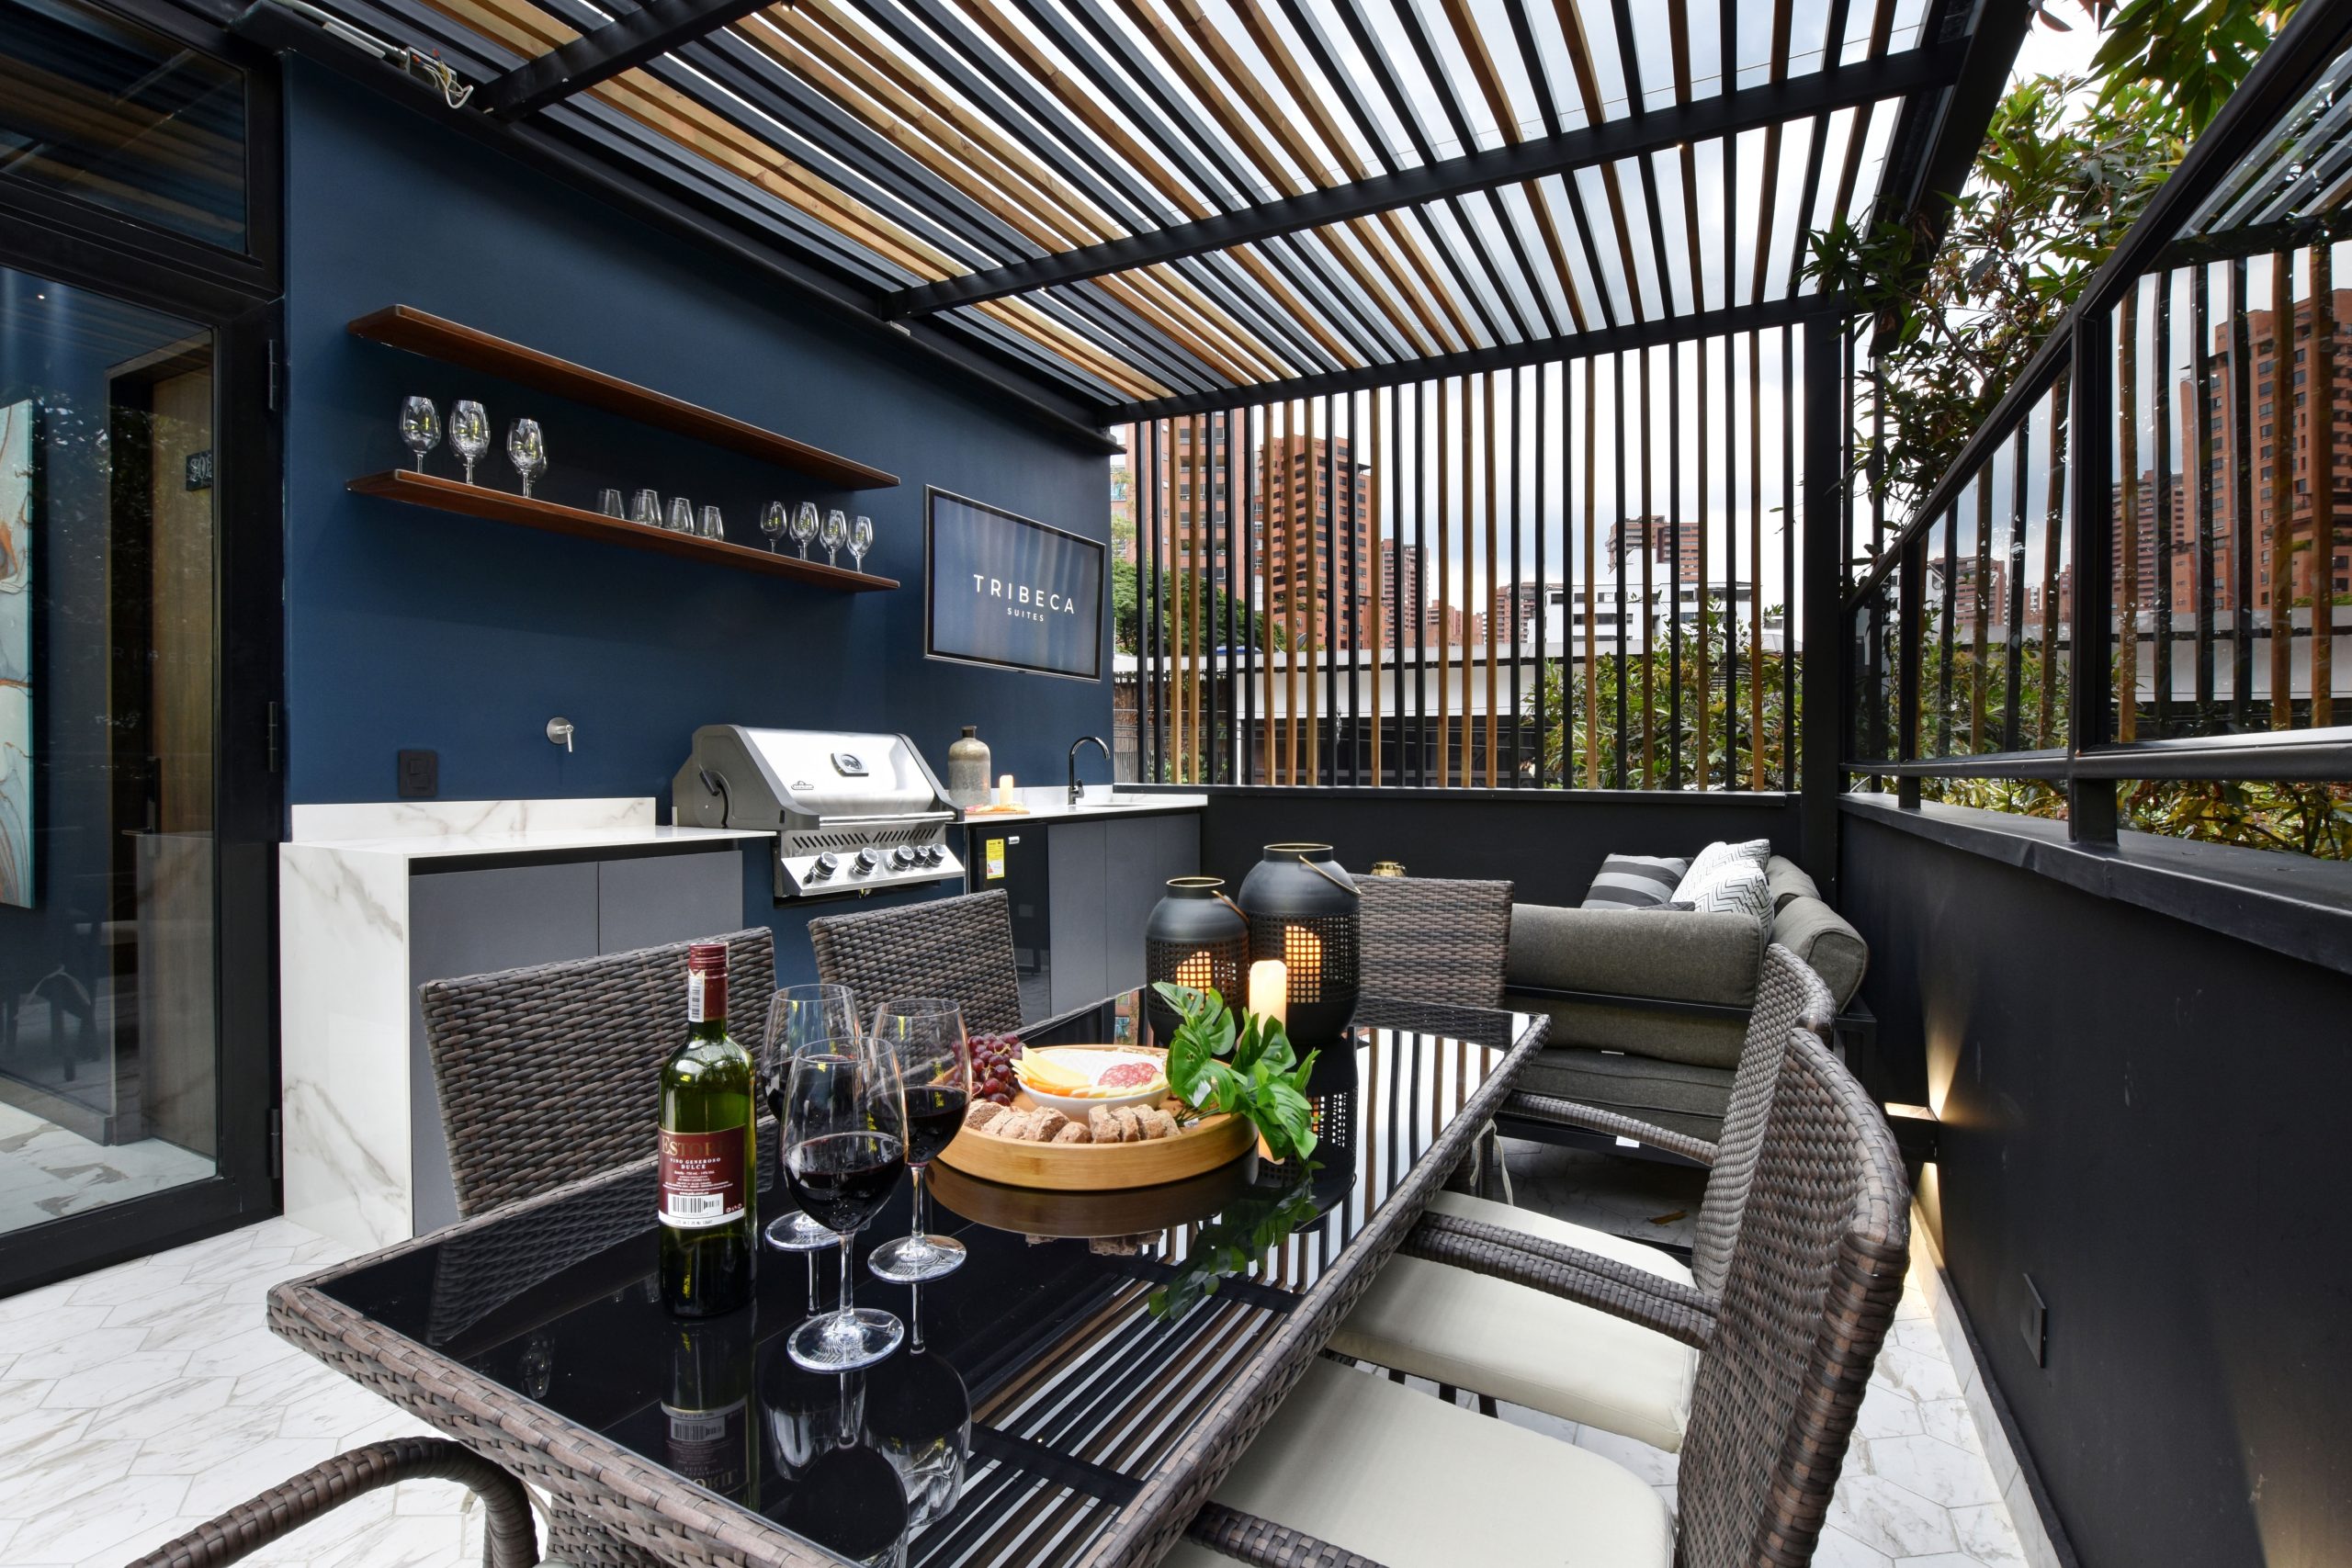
[(420, 428), (861, 540), (925, 1035), (799, 1016), (771, 523), (804, 526), (526, 448), (844, 1140), (836, 530), (469, 433)]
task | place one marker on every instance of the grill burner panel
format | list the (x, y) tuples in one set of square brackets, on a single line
[(850, 812)]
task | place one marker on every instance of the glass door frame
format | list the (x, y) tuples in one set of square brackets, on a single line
[(239, 297)]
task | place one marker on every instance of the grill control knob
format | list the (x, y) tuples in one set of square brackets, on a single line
[(824, 866), (869, 860), (901, 858), (933, 854)]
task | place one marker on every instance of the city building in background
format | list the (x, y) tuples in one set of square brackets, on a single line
[(1316, 508)]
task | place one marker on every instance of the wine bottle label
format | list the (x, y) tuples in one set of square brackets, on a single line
[(702, 1178), (706, 996), (709, 1447)]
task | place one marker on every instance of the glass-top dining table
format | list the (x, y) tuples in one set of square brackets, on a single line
[(1070, 1396)]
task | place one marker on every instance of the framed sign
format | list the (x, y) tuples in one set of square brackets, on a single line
[(1008, 592)]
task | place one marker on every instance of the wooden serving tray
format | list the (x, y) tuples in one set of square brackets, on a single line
[(1096, 1168)]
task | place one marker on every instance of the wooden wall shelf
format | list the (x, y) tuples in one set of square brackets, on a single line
[(529, 512), (404, 326)]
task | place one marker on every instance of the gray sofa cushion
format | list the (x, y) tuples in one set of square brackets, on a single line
[(1819, 935), (1787, 880), (1677, 1096), (1682, 957)]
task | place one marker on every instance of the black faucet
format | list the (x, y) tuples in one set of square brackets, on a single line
[(1077, 790)]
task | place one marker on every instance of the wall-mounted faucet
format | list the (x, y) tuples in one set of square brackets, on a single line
[(559, 732), (1077, 790)]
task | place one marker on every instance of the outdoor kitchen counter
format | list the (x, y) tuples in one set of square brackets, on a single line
[(1047, 803), (374, 898)]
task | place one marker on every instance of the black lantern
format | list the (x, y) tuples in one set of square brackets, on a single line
[(1195, 936), (1302, 909)]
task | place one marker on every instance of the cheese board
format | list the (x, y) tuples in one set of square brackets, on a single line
[(1148, 1160)]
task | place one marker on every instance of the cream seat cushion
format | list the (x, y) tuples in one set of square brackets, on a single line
[(1520, 1344), (1411, 1482)]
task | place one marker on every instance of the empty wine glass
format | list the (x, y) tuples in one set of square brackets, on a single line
[(843, 1131), (804, 526), (771, 523), (836, 530), (925, 1035), (712, 528), (801, 1016), (861, 540), (682, 515), (420, 427), (468, 434), (526, 448), (647, 509)]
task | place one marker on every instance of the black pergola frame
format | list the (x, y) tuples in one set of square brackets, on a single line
[(1239, 275)]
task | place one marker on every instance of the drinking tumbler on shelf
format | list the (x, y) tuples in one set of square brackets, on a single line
[(647, 509), (682, 515), (712, 528)]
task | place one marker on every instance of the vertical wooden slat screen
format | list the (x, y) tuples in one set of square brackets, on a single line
[(2321, 446), (2281, 457), (1297, 558)]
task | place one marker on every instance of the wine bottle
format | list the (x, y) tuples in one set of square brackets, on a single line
[(708, 1216)]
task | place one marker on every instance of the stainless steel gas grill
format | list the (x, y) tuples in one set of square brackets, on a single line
[(851, 813)]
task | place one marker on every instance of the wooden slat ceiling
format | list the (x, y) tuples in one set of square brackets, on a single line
[(901, 143)]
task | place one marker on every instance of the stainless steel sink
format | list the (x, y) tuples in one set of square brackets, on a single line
[(1091, 802)]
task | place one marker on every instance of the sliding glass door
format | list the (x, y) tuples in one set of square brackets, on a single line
[(138, 629)]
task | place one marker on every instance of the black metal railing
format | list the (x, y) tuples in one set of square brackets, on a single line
[(2140, 568)]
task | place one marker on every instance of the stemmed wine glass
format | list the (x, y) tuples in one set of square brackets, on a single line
[(836, 529), (772, 524), (420, 428), (925, 1035), (469, 433), (526, 448), (797, 1018), (804, 526), (861, 540), (844, 1140)]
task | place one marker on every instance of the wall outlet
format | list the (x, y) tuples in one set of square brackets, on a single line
[(418, 775), (2033, 1322)]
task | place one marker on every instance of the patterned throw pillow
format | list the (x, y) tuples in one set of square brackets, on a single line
[(1635, 882), (1734, 887), (1720, 853)]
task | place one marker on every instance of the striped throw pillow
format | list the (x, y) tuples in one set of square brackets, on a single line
[(1635, 882)]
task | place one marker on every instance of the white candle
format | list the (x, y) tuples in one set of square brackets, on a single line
[(1270, 989), (1004, 790)]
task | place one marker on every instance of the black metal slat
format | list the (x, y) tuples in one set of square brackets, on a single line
[(1149, 620), (1944, 631), (2160, 511), (1739, 438), (1420, 563), (1617, 545), (1674, 570), (1790, 513), (604, 52), (2241, 502), (2013, 610), (2201, 311), (1511, 624)]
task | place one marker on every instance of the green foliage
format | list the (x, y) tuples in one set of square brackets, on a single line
[(2312, 819), (1220, 1065), (1566, 742), (1175, 622), (1228, 1244), (2191, 53)]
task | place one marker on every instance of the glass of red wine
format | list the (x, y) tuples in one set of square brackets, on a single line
[(798, 1015), (926, 1035), (843, 1123)]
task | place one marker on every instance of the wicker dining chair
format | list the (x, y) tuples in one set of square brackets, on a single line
[(1348, 1470), (1464, 1330), (1426, 939), (509, 1538), (959, 947), (551, 1072)]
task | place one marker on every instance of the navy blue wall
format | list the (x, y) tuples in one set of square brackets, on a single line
[(408, 628)]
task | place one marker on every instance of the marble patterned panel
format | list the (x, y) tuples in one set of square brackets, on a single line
[(467, 819), (343, 1000)]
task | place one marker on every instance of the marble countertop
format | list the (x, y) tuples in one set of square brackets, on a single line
[(431, 828), (1047, 803)]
